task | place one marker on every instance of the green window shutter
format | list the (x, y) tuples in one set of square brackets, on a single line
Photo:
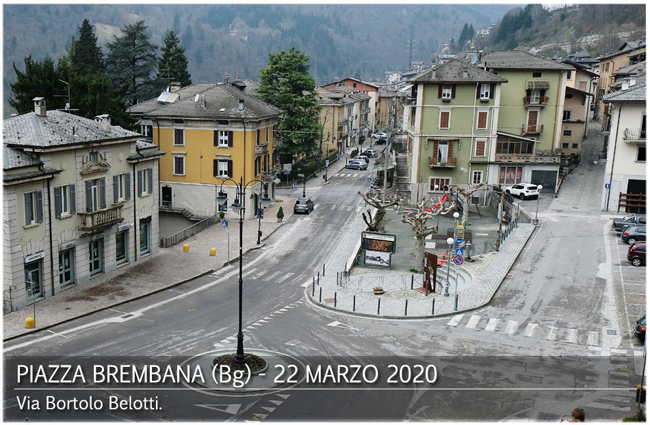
[(73, 200), (115, 183), (127, 183), (140, 183), (28, 209), (57, 202), (39, 206), (150, 170), (89, 196), (102, 192)]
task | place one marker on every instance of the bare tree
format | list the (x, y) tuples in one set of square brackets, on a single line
[(418, 221), (376, 223), (465, 195)]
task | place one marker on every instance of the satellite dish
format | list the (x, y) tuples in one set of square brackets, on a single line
[(67, 106), (474, 59), (196, 98)]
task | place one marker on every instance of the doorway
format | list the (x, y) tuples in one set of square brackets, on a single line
[(96, 256)]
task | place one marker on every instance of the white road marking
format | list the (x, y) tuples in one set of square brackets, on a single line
[(285, 277), (284, 396), (358, 209), (271, 276), (552, 333), (530, 329), (473, 321), (340, 325), (455, 320), (511, 328), (592, 339), (306, 284), (349, 208), (573, 335), (492, 325), (268, 409)]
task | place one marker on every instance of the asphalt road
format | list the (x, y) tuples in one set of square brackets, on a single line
[(555, 330)]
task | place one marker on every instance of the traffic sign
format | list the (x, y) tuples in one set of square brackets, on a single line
[(337, 155), (369, 179), (458, 260), (459, 241), (224, 223), (459, 251), (606, 185)]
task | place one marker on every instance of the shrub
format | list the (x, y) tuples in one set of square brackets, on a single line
[(280, 213)]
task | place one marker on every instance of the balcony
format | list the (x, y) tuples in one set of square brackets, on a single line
[(343, 121), (535, 101), (365, 111), (98, 221), (262, 149), (448, 163), (532, 129), (634, 135), (514, 157)]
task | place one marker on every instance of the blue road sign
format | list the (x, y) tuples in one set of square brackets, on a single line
[(369, 179), (224, 223), (459, 241), (458, 260), (337, 155), (459, 251), (606, 185)]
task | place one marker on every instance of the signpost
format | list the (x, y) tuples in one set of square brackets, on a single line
[(458, 260), (224, 224)]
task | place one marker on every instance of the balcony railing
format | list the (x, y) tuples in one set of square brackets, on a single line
[(365, 111), (262, 149), (98, 221), (449, 162), (631, 135), (343, 121), (535, 101), (514, 157), (532, 129)]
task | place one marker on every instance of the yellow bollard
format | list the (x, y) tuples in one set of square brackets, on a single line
[(213, 252), (29, 323), (186, 248)]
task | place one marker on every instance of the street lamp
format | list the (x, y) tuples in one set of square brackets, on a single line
[(240, 208), (304, 184), (450, 242), (539, 192), (263, 199)]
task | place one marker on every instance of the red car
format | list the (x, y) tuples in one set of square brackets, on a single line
[(636, 254)]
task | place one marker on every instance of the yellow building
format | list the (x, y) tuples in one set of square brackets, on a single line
[(214, 135)]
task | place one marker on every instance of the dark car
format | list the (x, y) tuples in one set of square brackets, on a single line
[(381, 141), (633, 234), (357, 164), (630, 220), (639, 329), (303, 205), (636, 254)]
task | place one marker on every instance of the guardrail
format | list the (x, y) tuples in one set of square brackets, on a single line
[(189, 232)]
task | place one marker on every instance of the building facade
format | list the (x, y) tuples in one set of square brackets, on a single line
[(80, 200)]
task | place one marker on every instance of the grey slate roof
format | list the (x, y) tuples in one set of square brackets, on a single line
[(7, 178), (637, 68), (15, 158), (453, 72), (513, 59), (57, 129), (635, 94), (221, 102)]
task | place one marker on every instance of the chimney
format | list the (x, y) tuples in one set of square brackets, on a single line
[(175, 86), (225, 78), (632, 80), (104, 122), (39, 106), (236, 77), (241, 104)]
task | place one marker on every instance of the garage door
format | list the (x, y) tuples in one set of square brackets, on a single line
[(548, 180)]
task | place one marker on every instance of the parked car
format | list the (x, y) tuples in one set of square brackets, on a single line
[(634, 219), (370, 153), (362, 158), (304, 205), (523, 191), (633, 234), (381, 141), (639, 329), (378, 135), (357, 164), (636, 254)]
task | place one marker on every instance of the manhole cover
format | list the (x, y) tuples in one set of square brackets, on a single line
[(611, 332)]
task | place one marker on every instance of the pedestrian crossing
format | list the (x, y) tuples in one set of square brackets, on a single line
[(531, 330), (347, 175)]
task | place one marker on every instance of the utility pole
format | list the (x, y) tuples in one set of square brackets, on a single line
[(410, 50)]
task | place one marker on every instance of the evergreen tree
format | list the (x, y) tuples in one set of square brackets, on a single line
[(463, 36), (470, 34), (286, 84), (85, 56), (188, 37), (173, 63), (40, 79), (132, 59)]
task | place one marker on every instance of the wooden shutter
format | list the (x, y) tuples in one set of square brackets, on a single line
[(215, 167), (73, 200), (230, 139), (482, 120), (439, 91), (230, 174), (127, 183), (480, 148), (478, 90), (453, 91), (115, 183), (39, 206), (57, 202), (435, 152), (258, 137), (532, 121), (150, 170), (492, 87), (89, 194), (102, 192), (216, 137), (140, 183), (28, 209), (444, 120), (450, 146)]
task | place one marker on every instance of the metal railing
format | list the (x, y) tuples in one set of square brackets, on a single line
[(96, 220), (189, 232), (634, 134)]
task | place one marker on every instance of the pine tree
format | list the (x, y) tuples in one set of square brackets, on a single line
[(132, 59), (173, 63), (287, 84), (188, 37), (85, 56), (40, 79)]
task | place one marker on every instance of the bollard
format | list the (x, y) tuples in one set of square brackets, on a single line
[(313, 287), (335, 299), (337, 278), (412, 281), (320, 294), (213, 252), (29, 323), (433, 307), (354, 303), (406, 307), (456, 303), (186, 248), (323, 270), (378, 304), (426, 290), (318, 278)]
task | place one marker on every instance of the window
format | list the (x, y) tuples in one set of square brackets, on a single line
[(439, 184), (121, 239), (267, 135), (144, 237), (477, 177), (569, 75), (95, 194), (223, 138), (146, 131), (92, 157), (179, 165), (574, 146), (606, 67), (33, 279), (257, 141), (258, 165), (121, 187), (534, 96), (601, 93), (514, 147), (178, 137), (145, 182), (567, 132), (447, 91), (640, 154), (485, 91), (64, 201), (222, 168), (480, 148), (33, 208), (537, 74), (566, 115), (510, 175), (266, 163), (565, 146), (444, 119), (482, 121)]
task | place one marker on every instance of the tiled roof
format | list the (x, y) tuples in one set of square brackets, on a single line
[(626, 50), (29, 175), (221, 102), (15, 158), (456, 71), (640, 79), (635, 94), (58, 128), (637, 68), (514, 59)]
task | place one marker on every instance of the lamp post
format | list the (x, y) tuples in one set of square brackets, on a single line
[(304, 184), (240, 208), (450, 243), (258, 209), (539, 193)]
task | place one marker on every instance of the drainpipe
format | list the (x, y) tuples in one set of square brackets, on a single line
[(471, 143), (135, 219), (611, 172), (49, 214)]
